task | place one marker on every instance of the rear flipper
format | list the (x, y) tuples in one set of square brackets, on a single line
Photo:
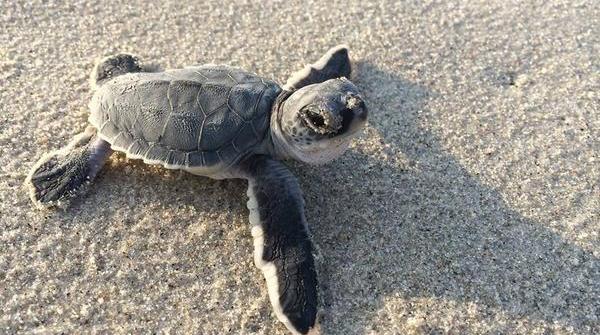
[(334, 64), (60, 174)]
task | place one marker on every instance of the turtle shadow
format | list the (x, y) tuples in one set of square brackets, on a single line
[(400, 223), (169, 188), (126, 190)]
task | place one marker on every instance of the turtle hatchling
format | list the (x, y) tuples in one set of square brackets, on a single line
[(222, 122)]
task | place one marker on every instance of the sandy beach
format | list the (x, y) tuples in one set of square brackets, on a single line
[(470, 204)]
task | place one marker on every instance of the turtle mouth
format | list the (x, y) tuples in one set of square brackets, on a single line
[(319, 120)]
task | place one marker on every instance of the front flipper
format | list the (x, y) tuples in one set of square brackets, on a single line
[(334, 64), (59, 174), (282, 248)]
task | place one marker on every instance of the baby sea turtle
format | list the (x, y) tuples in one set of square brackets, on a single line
[(223, 122)]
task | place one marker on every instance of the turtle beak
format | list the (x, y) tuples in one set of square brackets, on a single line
[(331, 109), (320, 120)]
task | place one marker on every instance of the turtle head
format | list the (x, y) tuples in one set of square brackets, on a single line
[(317, 122)]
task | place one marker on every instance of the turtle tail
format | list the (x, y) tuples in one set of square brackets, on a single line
[(113, 66)]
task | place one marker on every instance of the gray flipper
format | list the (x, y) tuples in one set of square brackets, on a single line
[(282, 247), (60, 174), (334, 64), (112, 66)]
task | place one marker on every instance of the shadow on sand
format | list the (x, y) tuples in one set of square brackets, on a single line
[(417, 225)]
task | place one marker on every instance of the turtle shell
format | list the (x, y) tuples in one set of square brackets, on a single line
[(198, 118)]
